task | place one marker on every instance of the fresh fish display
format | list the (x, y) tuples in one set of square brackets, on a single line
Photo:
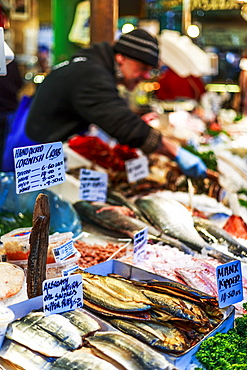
[(26, 332), (116, 198), (216, 235), (22, 357), (114, 294), (128, 351), (105, 216), (173, 219), (173, 306), (85, 323), (84, 361), (100, 310), (164, 337), (61, 328)]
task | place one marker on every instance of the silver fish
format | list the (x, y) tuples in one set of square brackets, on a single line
[(22, 357), (128, 351), (85, 323), (173, 219), (61, 328), (83, 361), (25, 332)]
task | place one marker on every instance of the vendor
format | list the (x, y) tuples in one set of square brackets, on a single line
[(82, 91)]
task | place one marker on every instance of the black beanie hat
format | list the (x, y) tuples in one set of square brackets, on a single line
[(139, 45)]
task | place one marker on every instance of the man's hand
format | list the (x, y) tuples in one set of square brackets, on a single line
[(148, 117), (190, 164)]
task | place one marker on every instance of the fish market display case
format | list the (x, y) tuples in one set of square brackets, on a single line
[(182, 362)]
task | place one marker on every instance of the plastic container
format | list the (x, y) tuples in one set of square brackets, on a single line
[(6, 317), (16, 244), (53, 269)]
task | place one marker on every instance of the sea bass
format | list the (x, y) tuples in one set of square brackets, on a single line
[(173, 219), (217, 235), (106, 216)]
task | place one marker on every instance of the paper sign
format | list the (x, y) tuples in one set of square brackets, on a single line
[(229, 282), (140, 242), (69, 270), (93, 185), (39, 167), (64, 251), (62, 294), (137, 169)]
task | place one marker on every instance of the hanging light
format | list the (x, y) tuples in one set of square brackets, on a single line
[(193, 31), (127, 27)]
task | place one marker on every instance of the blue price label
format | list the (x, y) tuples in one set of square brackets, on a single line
[(229, 282)]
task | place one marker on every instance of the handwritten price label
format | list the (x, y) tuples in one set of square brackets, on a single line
[(93, 185), (229, 282), (39, 167), (140, 243), (62, 294), (137, 169)]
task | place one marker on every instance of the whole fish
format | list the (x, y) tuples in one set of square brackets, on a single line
[(173, 219), (164, 337), (117, 296), (172, 305), (61, 328), (29, 334), (128, 351), (85, 323), (118, 199), (105, 216), (215, 235), (83, 361), (22, 357)]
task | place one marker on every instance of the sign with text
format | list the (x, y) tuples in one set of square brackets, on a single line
[(39, 167), (137, 169), (229, 282), (93, 185), (62, 294), (140, 242), (64, 251)]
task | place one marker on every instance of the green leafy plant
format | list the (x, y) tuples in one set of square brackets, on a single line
[(226, 351)]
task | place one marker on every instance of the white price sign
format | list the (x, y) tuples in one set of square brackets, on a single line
[(62, 294), (140, 242), (38, 167), (137, 169), (93, 185)]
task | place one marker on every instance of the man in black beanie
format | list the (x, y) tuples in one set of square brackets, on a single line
[(82, 91)]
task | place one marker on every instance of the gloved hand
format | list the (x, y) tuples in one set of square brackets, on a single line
[(190, 164)]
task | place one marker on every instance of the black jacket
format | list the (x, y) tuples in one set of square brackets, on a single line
[(83, 91)]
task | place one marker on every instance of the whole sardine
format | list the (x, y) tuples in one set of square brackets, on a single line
[(85, 323), (105, 216), (173, 219), (82, 361), (128, 351)]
